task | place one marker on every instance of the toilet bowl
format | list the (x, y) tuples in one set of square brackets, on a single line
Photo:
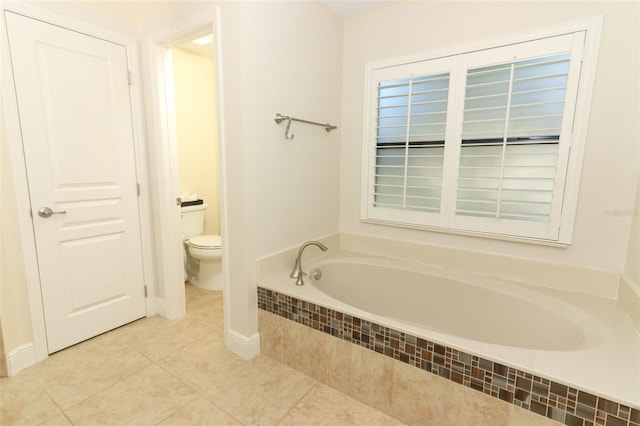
[(207, 249)]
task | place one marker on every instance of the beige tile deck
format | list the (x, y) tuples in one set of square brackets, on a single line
[(160, 372)]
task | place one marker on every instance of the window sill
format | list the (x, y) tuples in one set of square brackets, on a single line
[(510, 238)]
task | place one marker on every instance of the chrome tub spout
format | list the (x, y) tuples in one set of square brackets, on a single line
[(297, 271)]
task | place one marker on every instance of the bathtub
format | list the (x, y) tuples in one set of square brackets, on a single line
[(558, 337), (454, 304)]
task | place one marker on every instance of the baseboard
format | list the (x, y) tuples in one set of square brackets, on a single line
[(20, 358), (244, 347)]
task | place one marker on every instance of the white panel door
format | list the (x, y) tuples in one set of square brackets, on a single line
[(75, 117)]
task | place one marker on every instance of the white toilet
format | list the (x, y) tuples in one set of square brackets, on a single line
[(207, 249)]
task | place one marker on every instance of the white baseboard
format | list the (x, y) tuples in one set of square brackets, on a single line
[(20, 358), (244, 347)]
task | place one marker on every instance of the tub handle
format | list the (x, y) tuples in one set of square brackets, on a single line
[(317, 274)]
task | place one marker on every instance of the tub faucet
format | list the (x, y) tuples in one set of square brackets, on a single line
[(297, 272)]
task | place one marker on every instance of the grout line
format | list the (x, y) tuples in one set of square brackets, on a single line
[(302, 397), (64, 413), (198, 394), (49, 386), (84, 399), (178, 409), (221, 409)]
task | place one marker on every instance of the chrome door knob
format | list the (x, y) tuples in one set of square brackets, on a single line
[(47, 212)]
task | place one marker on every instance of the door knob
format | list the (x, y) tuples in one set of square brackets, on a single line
[(47, 212)]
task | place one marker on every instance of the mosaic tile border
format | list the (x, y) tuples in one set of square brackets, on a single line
[(564, 404)]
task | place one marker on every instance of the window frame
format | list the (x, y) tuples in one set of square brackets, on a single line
[(447, 221)]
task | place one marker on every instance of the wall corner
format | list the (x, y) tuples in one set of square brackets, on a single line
[(629, 299)]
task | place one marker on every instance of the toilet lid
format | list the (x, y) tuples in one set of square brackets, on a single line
[(206, 241)]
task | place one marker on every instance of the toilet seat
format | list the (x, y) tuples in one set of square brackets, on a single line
[(206, 242)]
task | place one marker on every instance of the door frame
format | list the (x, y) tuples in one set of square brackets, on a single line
[(19, 172), (160, 104)]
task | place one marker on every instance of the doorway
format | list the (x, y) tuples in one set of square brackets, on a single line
[(164, 157), (196, 137)]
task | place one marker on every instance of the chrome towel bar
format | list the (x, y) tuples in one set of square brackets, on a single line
[(280, 118)]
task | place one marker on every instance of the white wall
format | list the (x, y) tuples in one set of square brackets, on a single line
[(14, 303), (283, 57), (611, 162), (293, 52), (632, 266)]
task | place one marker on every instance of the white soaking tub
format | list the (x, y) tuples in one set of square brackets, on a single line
[(572, 339)]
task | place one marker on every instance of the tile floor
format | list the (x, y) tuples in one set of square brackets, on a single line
[(159, 372)]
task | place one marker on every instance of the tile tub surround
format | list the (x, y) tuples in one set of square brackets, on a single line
[(498, 382)]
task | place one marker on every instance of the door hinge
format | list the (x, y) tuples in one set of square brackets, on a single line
[(145, 291), (138, 188), (129, 77)]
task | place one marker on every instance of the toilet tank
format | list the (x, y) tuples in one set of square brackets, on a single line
[(193, 220)]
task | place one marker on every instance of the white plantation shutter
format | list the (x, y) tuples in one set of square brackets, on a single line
[(408, 123), (411, 118), (516, 122), (510, 135), (476, 141)]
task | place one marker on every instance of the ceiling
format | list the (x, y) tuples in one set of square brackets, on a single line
[(349, 8), (342, 8), (203, 50)]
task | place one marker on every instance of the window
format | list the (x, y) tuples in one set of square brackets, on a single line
[(411, 118), (478, 141)]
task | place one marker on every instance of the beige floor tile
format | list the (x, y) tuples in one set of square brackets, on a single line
[(130, 334), (81, 371), (24, 402), (175, 372), (59, 419), (157, 338), (207, 317), (261, 391), (202, 364), (198, 297), (200, 412), (326, 406), (145, 398)]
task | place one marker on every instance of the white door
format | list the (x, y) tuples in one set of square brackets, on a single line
[(75, 117)]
